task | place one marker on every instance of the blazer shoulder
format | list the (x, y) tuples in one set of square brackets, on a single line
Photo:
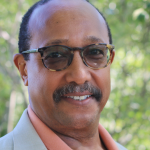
[(6, 142)]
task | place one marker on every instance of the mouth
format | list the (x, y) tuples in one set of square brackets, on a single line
[(84, 98), (78, 98), (79, 94)]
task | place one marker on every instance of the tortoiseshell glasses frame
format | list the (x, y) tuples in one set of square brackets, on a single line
[(59, 57)]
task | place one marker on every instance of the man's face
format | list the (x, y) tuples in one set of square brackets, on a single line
[(74, 24)]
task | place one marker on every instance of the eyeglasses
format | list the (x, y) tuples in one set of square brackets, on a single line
[(59, 57)]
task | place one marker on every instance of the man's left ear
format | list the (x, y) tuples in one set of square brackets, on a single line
[(112, 56), (20, 63)]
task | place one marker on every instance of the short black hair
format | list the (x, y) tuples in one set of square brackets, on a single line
[(25, 36)]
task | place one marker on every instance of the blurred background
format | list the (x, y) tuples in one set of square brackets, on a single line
[(127, 112)]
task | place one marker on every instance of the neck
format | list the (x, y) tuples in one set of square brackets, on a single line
[(82, 139)]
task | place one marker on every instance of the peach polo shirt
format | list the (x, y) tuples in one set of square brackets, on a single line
[(53, 142)]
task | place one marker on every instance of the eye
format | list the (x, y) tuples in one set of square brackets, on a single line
[(96, 52), (54, 55)]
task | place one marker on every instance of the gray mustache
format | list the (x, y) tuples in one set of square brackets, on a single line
[(74, 88)]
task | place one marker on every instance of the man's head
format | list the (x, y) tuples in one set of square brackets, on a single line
[(74, 97)]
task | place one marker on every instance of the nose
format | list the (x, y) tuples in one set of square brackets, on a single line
[(77, 72)]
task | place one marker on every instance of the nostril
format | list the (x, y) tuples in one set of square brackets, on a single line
[(79, 75)]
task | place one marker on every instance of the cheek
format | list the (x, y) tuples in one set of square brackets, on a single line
[(41, 88), (102, 79), (42, 83), (38, 81)]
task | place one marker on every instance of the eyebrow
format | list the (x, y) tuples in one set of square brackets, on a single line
[(57, 42), (93, 39)]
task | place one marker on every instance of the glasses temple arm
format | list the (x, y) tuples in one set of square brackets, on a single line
[(31, 51), (111, 47)]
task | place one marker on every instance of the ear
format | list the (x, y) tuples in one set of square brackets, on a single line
[(112, 56), (20, 63)]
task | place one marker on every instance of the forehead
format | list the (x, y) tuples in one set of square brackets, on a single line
[(68, 20)]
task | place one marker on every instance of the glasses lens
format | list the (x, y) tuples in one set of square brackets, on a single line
[(96, 56), (57, 57)]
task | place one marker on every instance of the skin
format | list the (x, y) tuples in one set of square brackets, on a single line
[(74, 24)]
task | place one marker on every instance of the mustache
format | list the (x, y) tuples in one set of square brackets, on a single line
[(75, 88)]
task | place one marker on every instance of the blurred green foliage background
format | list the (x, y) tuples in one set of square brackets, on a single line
[(127, 112)]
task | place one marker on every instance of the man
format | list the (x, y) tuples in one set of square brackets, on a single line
[(65, 57)]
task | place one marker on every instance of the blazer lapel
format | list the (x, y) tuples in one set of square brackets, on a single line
[(25, 137)]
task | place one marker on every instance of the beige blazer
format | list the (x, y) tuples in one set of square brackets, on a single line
[(24, 137)]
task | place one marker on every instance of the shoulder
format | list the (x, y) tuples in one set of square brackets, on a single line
[(6, 142), (120, 146)]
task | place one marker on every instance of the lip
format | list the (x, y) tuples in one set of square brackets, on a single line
[(87, 101), (78, 94)]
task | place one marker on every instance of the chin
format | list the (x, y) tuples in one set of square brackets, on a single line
[(81, 121)]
